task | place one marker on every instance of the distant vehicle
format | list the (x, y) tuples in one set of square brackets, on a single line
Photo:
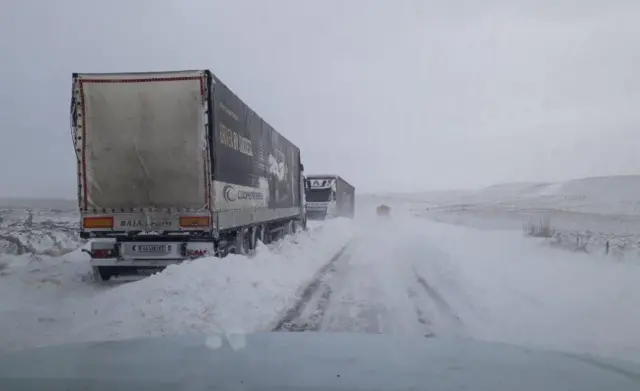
[(383, 210), (175, 166), (309, 361), (329, 196)]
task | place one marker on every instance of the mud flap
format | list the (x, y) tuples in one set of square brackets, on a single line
[(106, 273)]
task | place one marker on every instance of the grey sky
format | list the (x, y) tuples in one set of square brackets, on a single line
[(393, 95)]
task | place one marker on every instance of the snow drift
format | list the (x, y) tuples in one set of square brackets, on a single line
[(49, 305)]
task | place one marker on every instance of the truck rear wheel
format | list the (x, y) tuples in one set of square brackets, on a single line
[(261, 234), (290, 228), (253, 237), (243, 239), (102, 273)]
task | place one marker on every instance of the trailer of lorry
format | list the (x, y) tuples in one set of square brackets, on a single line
[(328, 196), (174, 166)]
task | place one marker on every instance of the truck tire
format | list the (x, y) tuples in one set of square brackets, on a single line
[(102, 273), (253, 235), (245, 241), (291, 228), (297, 227), (261, 234)]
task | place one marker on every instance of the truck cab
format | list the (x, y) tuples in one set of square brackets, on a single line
[(320, 198), (328, 196)]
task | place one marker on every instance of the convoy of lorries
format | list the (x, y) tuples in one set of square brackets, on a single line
[(174, 166)]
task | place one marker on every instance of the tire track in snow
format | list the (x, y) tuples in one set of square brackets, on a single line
[(363, 292), (442, 306), (318, 289), (421, 314), (397, 309)]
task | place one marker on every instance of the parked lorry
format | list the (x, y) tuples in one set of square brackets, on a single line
[(383, 210), (329, 196), (174, 166)]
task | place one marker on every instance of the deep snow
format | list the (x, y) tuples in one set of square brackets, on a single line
[(489, 285), (52, 300)]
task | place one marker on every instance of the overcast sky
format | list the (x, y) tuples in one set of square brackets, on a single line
[(394, 95)]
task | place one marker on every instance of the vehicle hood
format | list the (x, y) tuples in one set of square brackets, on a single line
[(308, 361)]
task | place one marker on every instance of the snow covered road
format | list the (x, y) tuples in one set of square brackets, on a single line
[(414, 277), (405, 276), (375, 287)]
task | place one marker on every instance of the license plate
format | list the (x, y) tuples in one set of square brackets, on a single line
[(150, 248)]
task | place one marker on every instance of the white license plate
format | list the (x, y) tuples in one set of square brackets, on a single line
[(150, 248)]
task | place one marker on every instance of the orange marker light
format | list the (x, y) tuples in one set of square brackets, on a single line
[(194, 221), (97, 222)]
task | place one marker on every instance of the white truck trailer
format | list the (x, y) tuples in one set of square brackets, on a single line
[(329, 196), (174, 166)]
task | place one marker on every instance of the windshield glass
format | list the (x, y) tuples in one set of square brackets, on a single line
[(424, 170), (318, 195)]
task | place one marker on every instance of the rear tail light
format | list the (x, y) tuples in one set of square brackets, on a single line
[(110, 252), (196, 253), (101, 253), (194, 221), (98, 222)]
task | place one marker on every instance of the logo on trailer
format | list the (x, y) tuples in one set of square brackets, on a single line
[(230, 194)]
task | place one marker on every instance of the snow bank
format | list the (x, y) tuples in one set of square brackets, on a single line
[(26, 280), (208, 295)]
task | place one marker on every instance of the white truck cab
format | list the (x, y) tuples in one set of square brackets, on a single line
[(328, 196)]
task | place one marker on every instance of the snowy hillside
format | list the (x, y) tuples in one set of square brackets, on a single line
[(616, 195), (585, 213), (59, 204)]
